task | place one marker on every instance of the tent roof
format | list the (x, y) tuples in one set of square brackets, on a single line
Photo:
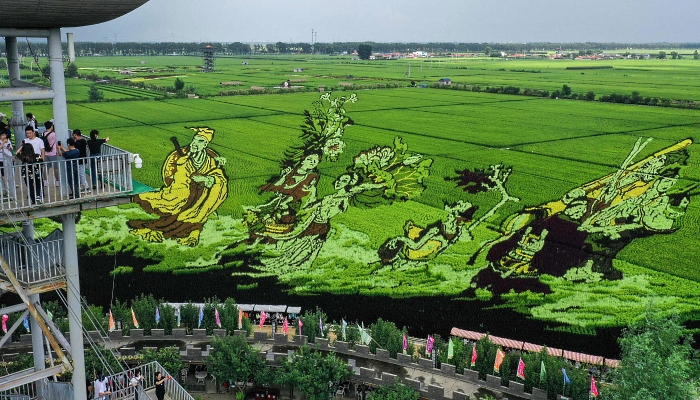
[(515, 344), (32, 14)]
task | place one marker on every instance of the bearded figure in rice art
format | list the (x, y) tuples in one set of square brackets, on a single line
[(194, 186)]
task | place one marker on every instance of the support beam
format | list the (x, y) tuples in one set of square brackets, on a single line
[(15, 380), (70, 261), (54, 329), (32, 310), (25, 94), (14, 327), (37, 345), (13, 309)]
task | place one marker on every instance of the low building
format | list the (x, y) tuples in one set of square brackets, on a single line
[(445, 81)]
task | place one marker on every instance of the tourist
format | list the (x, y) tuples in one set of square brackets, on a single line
[(95, 147), (72, 156), (6, 171), (37, 143), (81, 145), (160, 385), (30, 171), (50, 155), (135, 382), (31, 121), (101, 387)]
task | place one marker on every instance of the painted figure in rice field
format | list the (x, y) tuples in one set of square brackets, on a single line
[(194, 186), (589, 225), (424, 244), (294, 223)]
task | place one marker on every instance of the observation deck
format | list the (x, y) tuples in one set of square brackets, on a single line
[(26, 197), (65, 14)]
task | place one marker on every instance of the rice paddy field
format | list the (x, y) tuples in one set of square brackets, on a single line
[(646, 254)]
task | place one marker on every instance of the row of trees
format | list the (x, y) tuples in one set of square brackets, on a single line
[(237, 48)]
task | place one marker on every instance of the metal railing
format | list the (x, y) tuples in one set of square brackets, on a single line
[(26, 186), (122, 389), (33, 262), (26, 391)]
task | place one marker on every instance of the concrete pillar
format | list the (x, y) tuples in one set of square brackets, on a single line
[(37, 345), (18, 122), (71, 47), (58, 85), (70, 260), (60, 105)]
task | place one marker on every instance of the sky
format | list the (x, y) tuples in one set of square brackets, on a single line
[(496, 21)]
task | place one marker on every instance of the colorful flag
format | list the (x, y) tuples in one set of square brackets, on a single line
[(217, 318), (320, 325), (201, 317), (543, 372), (405, 343), (285, 326), (26, 323), (343, 326), (521, 369), (240, 319), (500, 355), (594, 389), (112, 325), (475, 356), (263, 317), (4, 322), (157, 315), (450, 349), (566, 377), (133, 317), (178, 317), (300, 325), (429, 345)]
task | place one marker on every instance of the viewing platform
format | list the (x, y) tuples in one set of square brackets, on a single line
[(28, 195)]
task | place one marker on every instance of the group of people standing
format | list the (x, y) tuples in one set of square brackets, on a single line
[(103, 388), (40, 152)]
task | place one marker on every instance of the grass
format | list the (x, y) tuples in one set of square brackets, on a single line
[(552, 146)]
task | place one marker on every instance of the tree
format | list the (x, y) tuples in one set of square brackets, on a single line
[(46, 71), (387, 336), (674, 55), (657, 361), (72, 71), (696, 55), (96, 356), (662, 55), (179, 84), (311, 372), (233, 358), (364, 51), (397, 391), (590, 96), (566, 91), (168, 357), (311, 328), (94, 94)]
